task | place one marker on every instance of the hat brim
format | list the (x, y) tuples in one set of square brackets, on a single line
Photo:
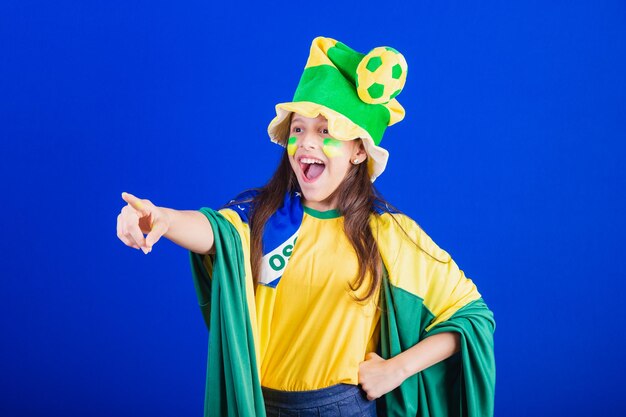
[(339, 127)]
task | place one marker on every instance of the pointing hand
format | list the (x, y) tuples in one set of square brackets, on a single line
[(141, 217)]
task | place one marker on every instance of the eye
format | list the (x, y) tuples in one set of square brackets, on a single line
[(296, 130), (325, 131)]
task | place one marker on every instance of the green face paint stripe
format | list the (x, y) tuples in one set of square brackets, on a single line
[(291, 145), (332, 147)]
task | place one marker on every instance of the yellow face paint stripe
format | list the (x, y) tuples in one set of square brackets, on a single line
[(332, 148), (291, 146)]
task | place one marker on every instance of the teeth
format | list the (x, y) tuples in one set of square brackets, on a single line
[(310, 161)]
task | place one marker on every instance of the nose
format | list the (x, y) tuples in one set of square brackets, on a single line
[(310, 140)]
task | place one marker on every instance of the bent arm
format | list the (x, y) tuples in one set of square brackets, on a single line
[(427, 353), (378, 376)]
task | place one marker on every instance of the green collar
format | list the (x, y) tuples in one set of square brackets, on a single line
[(328, 214)]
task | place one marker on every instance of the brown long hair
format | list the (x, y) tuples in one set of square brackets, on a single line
[(356, 197)]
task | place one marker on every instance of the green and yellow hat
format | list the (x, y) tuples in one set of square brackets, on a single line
[(354, 91)]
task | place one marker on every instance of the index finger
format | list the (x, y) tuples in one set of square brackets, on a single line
[(134, 202)]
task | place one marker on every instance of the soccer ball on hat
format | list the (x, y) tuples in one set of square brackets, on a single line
[(380, 76)]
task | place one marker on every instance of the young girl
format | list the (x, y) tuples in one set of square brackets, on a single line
[(320, 298)]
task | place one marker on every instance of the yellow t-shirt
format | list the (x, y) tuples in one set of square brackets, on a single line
[(313, 333)]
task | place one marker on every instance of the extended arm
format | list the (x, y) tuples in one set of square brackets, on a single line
[(187, 228)]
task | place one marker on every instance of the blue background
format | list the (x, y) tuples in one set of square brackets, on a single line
[(510, 157)]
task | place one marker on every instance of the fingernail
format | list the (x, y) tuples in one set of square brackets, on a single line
[(145, 251)]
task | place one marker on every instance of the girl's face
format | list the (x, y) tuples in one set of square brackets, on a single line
[(319, 161)]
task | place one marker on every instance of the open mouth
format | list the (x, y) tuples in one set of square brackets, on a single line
[(312, 168)]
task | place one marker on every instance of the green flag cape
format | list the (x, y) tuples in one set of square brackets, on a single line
[(233, 386), (462, 385)]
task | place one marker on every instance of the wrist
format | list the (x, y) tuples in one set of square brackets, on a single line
[(401, 367), (169, 217)]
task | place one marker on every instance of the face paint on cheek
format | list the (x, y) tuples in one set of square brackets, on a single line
[(332, 148), (291, 146)]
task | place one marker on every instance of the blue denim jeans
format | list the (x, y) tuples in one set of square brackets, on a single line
[(337, 401)]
